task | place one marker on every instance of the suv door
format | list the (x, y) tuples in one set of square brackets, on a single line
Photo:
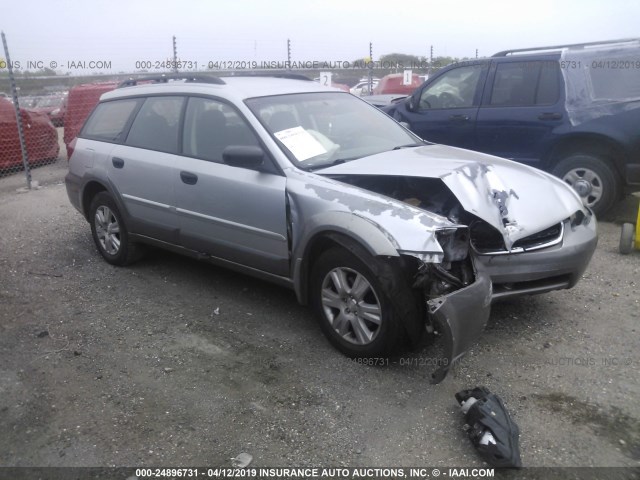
[(520, 109), (234, 213), (142, 169), (445, 108)]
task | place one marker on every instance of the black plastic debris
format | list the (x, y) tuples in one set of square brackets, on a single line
[(492, 431)]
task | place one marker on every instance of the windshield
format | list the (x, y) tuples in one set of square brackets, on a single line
[(316, 130)]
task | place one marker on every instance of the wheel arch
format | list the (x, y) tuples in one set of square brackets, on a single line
[(588, 144), (94, 186), (346, 231), (90, 190)]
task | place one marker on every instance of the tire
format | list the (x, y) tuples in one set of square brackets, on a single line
[(110, 233), (627, 237), (593, 178), (360, 318)]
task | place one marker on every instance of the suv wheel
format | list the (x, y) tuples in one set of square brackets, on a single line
[(109, 231), (355, 310), (592, 178)]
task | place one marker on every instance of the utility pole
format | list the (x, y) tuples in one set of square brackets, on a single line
[(288, 54), (430, 59), (476, 53), (370, 69), (175, 55)]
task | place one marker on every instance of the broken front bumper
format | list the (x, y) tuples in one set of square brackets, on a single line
[(461, 316)]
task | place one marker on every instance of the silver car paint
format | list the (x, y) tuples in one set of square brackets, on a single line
[(533, 200)]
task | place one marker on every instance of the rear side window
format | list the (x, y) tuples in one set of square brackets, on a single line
[(157, 124), (525, 83), (109, 120)]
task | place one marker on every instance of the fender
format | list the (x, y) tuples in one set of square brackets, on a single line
[(371, 236)]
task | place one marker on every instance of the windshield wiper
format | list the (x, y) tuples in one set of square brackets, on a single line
[(408, 145)]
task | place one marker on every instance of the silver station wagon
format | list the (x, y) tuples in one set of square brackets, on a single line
[(389, 238)]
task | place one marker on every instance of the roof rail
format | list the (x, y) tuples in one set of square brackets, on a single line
[(287, 75), (504, 53), (164, 78)]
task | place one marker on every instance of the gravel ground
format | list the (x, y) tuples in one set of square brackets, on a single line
[(174, 362)]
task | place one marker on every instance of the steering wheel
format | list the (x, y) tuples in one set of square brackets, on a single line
[(448, 100)]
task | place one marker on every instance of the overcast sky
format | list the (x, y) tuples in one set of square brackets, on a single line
[(123, 32)]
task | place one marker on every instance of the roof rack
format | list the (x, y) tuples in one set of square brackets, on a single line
[(504, 53), (164, 78), (287, 75)]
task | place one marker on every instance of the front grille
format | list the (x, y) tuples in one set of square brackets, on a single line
[(548, 235), (488, 241)]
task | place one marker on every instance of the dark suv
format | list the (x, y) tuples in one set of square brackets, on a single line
[(573, 110)]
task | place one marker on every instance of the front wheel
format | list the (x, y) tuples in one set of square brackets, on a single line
[(355, 311), (109, 231), (592, 178)]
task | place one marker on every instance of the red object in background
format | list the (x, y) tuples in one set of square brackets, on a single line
[(80, 103), (54, 106), (40, 136), (392, 83)]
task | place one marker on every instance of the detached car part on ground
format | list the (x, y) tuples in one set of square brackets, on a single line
[(571, 110), (387, 237)]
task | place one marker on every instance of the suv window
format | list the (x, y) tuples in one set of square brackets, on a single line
[(157, 124), (525, 83), (210, 126), (454, 89), (109, 120)]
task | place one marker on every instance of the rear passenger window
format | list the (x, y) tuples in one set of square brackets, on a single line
[(549, 85), (525, 83), (211, 126), (157, 124), (109, 120)]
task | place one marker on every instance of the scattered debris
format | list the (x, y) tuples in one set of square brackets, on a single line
[(492, 431), (43, 333), (216, 311), (242, 461), (168, 369)]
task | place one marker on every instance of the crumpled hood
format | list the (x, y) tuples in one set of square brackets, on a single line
[(515, 199)]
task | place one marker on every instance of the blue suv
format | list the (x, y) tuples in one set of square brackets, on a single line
[(572, 110)]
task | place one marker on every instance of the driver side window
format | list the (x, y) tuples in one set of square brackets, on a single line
[(455, 89)]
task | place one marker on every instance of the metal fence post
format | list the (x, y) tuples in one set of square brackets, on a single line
[(16, 105)]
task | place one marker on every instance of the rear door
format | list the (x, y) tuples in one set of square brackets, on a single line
[(234, 213), (522, 105), (143, 168)]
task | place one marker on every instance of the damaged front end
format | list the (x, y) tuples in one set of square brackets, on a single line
[(457, 294)]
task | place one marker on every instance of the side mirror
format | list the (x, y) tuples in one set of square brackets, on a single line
[(411, 103), (243, 156)]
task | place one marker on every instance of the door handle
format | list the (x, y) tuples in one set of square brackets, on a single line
[(117, 162), (189, 178), (550, 116), (459, 118)]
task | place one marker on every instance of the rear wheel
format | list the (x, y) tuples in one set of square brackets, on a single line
[(110, 233), (592, 178), (356, 312)]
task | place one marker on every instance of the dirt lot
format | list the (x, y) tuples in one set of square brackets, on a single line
[(175, 362)]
